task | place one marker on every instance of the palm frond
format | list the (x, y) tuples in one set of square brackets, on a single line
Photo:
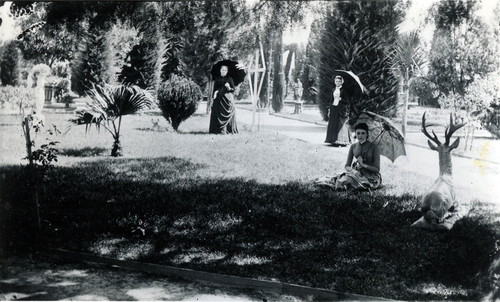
[(407, 55), (110, 102), (130, 99)]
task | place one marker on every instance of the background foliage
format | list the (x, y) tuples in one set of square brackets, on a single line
[(9, 65), (360, 44)]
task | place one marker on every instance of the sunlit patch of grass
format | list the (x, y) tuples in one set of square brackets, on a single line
[(247, 245), (10, 281), (134, 250), (75, 273), (168, 250), (106, 247), (121, 248), (196, 255), (248, 260), (439, 289), (183, 226), (39, 279), (221, 222), (153, 293), (89, 297), (62, 284)]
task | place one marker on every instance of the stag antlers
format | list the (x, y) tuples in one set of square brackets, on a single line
[(447, 134)]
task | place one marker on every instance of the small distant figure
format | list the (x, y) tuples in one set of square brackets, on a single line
[(156, 124), (297, 91)]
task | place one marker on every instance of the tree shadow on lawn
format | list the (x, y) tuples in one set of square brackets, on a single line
[(164, 129), (161, 211), (196, 132), (84, 152), (207, 133), (155, 129), (201, 114)]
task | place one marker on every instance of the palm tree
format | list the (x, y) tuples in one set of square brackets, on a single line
[(109, 104), (407, 58)]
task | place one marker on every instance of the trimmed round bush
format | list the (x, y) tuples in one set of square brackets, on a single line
[(178, 99)]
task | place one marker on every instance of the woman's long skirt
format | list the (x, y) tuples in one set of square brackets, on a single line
[(353, 179), (223, 117), (337, 131)]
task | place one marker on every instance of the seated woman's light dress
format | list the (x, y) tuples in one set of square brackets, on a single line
[(361, 178)]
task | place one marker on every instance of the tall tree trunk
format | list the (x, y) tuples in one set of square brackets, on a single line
[(26, 128), (117, 148), (279, 74), (406, 92), (264, 95), (175, 123), (209, 93), (288, 65)]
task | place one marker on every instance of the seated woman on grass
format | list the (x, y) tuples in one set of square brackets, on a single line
[(362, 166)]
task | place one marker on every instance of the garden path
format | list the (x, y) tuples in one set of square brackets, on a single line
[(35, 279)]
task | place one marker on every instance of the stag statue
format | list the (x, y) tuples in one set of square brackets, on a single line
[(440, 198)]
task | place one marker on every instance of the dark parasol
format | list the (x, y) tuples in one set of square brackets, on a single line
[(383, 133), (352, 84), (235, 70)]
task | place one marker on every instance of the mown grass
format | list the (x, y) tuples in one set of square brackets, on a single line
[(245, 205)]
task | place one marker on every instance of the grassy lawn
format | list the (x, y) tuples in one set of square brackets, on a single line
[(242, 205)]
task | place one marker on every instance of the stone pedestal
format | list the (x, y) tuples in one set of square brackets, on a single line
[(49, 93), (298, 107)]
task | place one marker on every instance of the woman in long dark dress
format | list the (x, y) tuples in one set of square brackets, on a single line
[(222, 118), (337, 132)]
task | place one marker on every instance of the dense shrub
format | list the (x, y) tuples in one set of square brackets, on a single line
[(61, 87), (482, 99), (16, 98), (9, 67), (89, 66), (425, 91), (360, 43), (52, 80), (141, 66), (178, 99), (131, 70), (60, 69), (119, 42), (62, 91)]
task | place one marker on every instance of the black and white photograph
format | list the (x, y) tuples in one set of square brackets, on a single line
[(250, 150)]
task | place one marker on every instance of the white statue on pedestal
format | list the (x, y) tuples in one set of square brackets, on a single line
[(36, 81)]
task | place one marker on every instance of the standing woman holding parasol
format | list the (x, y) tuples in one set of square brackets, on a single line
[(347, 87), (337, 132), (227, 75)]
